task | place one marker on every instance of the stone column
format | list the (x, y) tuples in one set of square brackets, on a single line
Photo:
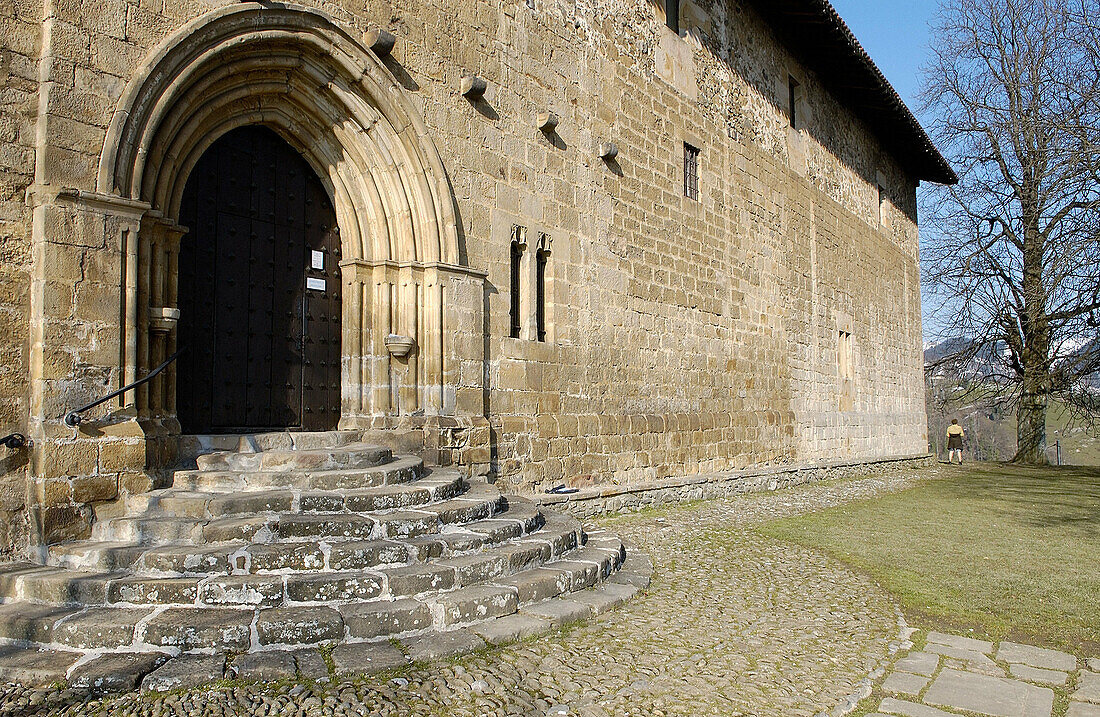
[(84, 332)]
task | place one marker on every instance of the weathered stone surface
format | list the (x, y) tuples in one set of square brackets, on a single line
[(366, 658), (286, 556), (184, 672), (254, 502), (1082, 709), (322, 587), (904, 683), (360, 554), (510, 628), (1038, 674), (417, 579), (311, 665), (636, 579), (435, 645), (160, 591), (271, 665), (477, 568), (1036, 656), (380, 618), (100, 627), (116, 672), (635, 657), (299, 625), (559, 611), (580, 575), (960, 643), (989, 695), (34, 667), (910, 709), (325, 526), (251, 590), (604, 597), (480, 602), (1088, 688), (31, 621), (190, 559), (190, 628), (920, 663), (537, 585), (958, 653)]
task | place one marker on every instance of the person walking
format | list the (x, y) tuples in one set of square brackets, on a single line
[(955, 437)]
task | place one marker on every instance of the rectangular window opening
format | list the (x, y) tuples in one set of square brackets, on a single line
[(514, 288), (541, 259), (792, 100), (672, 15), (691, 172), (881, 205)]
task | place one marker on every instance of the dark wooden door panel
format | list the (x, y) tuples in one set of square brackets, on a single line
[(264, 347)]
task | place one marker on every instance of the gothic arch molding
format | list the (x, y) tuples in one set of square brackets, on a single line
[(296, 71)]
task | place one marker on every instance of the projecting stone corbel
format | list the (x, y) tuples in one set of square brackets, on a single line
[(607, 150), (399, 345), (473, 87), (379, 41), (547, 121)]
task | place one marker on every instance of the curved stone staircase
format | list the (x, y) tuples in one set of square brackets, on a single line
[(297, 541)]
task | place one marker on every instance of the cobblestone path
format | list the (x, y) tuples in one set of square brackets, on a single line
[(732, 624)]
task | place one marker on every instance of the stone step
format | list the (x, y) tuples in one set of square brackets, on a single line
[(290, 573), (235, 612), (240, 556), (352, 456), (373, 615), (270, 528), (54, 586), (96, 555), (399, 470), (142, 530), (176, 502), (195, 445)]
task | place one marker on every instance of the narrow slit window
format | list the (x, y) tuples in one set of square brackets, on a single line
[(845, 356), (672, 15), (516, 266), (542, 258), (881, 205), (792, 100), (846, 371), (691, 172)]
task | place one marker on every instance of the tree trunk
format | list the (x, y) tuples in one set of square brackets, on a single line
[(1031, 428), (1031, 414)]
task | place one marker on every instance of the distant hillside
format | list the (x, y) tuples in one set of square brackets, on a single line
[(969, 393)]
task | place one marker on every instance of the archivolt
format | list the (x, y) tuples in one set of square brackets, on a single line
[(294, 70)]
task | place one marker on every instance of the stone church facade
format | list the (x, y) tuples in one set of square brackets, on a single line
[(549, 241)]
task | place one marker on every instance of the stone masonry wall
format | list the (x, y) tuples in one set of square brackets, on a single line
[(20, 38), (682, 336)]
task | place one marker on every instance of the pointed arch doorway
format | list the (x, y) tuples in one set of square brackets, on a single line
[(259, 291)]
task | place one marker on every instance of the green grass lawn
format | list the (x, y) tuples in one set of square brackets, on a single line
[(1002, 551)]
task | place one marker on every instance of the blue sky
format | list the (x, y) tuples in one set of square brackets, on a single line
[(895, 35)]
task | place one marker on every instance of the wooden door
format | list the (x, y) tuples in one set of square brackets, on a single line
[(259, 291)]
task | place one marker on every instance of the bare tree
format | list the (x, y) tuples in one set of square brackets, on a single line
[(1012, 249)]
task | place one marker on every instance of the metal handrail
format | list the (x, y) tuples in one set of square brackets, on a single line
[(73, 418)]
